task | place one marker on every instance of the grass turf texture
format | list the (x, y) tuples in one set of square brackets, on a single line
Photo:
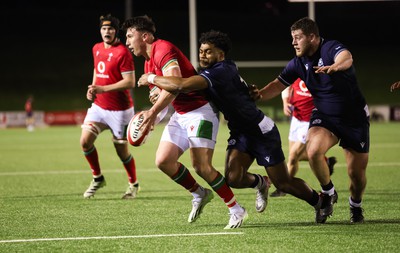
[(43, 175)]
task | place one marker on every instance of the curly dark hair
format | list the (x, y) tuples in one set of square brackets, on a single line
[(218, 39), (306, 25), (140, 23)]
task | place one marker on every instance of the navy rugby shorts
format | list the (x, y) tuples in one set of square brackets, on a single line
[(265, 148), (353, 134)]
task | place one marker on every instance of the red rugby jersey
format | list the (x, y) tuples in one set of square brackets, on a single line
[(110, 64), (162, 52)]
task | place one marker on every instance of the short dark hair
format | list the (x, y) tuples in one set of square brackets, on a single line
[(218, 39), (140, 23), (307, 25), (109, 20)]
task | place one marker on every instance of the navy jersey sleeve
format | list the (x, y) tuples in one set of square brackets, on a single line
[(329, 51), (230, 94), (291, 72)]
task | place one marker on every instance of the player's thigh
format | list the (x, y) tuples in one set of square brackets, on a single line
[(319, 140), (167, 154), (237, 162)]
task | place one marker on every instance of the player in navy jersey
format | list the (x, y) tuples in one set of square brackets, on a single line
[(253, 136), (298, 104), (341, 114)]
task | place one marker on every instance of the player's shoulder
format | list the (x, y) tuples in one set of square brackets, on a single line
[(97, 45), (163, 43), (165, 46), (332, 44)]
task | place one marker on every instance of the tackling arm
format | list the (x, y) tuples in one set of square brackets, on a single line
[(174, 84), (271, 90), (286, 101)]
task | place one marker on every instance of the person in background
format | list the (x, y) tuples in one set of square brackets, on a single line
[(341, 114), (112, 107), (29, 120), (298, 104), (194, 124), (253, 135)]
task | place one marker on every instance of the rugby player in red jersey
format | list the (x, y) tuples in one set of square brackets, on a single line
[(112, 107), (193, 125)]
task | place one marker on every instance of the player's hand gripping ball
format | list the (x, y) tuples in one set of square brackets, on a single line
[(136, 136)]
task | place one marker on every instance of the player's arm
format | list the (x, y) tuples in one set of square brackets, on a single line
[(286, 101), (162, 98), (395, 86), (343, 61), (127, 82), (90, 95), (175, 84), (271, 90)]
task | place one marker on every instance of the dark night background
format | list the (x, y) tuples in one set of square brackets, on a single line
[(47, 47)]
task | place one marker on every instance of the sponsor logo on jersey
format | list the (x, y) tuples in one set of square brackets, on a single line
[(110, 55), (320, 62)]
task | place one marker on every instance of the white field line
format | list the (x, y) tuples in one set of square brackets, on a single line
[(116, 237), (152, 169)]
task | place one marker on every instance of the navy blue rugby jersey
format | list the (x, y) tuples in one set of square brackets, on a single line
[(337, 94), (230, 94)]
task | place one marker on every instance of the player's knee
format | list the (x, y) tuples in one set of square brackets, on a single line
[(91, 128), (119, 141), (233, 180), (86, 143), (164, 164), (313, 154)]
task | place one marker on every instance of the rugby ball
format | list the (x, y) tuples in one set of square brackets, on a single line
[(136, 137)]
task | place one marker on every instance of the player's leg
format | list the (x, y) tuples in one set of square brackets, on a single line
[(355, 142), (202, 162), (297, 140), (356, 169), (297, 187), (90, 131), (118, 122), (128, 161), (174, 142), (237, 164), (319, 141), (297, 152)]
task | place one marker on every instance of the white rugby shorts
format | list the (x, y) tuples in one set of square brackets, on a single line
[(298, 130), (117, 121), (195, 129)]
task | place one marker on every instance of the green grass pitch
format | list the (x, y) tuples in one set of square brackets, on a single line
[(43, 175)]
